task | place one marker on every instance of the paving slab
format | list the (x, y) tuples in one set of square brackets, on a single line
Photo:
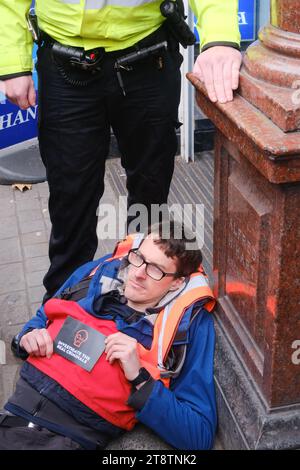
[(10, 251), (12, 278), (36, 250), (12, 308), (8, 227)]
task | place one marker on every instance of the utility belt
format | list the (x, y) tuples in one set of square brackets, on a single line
[(174, 30), (76, 58), (174, 27), (158, 36)]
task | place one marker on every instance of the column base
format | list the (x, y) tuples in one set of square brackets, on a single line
[(245, 421)]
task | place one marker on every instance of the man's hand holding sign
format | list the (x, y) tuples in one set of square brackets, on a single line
[(118, 346), (124, 348), (37, 342)]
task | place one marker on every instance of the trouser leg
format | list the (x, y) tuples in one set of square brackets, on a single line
[(144, 122), (24, 438), (74, 141)]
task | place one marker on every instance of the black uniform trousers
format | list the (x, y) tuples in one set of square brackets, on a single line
[(74, 137)]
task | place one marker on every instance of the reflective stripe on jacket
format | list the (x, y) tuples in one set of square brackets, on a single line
[(112, 24)]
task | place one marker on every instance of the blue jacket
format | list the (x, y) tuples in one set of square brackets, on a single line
[(183, 415)]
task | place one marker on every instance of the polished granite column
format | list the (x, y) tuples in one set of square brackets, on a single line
[(257, 240)]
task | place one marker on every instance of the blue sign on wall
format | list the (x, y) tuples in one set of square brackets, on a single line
[(17, 125), (247, 20)]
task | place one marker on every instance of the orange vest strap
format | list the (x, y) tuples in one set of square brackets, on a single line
[(177, 312), (123, 247), (168, 320)]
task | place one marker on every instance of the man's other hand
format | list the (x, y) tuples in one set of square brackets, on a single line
[(218, 67), (124, 348), (20, 91), (37, 342)]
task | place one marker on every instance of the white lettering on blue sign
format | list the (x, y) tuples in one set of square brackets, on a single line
[(242, 18), (15, 119)]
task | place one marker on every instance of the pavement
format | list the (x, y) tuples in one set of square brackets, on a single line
[(24, 234)]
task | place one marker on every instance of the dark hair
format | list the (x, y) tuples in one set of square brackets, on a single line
[(180, 243)]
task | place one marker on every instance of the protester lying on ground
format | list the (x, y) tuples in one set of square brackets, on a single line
[(127, 338)]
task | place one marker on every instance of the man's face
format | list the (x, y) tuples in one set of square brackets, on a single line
[(140, 289)]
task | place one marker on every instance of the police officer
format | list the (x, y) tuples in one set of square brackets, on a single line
[(78, 107)]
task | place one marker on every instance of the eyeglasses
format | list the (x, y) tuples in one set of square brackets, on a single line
[(136, 259)]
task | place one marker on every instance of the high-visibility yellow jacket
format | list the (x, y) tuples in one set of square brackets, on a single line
[(112, 24)]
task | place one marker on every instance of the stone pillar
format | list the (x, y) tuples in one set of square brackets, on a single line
[(257, 241)]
